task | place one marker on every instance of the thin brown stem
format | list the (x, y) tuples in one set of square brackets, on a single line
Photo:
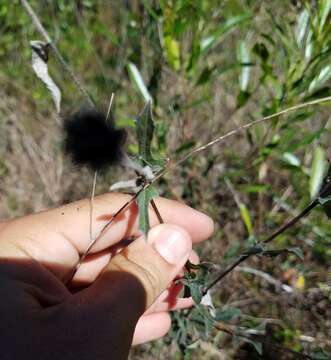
[(92, 243), (248, 254), (110, 105), (92, 203), (292, 222), (219, 139), (157, 212), (250, 124)]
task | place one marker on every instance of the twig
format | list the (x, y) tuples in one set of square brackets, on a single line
[(92, 243), (311, 339), (266, 277), (42, 31), (256, 336), (157, 212), (248, 125), (293, 221), (233, 192), (237, 262), (282, 199), (251, 251), (92, 203), (174, 165), (110, 104)]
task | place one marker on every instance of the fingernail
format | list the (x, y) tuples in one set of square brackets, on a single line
[(171, 242)]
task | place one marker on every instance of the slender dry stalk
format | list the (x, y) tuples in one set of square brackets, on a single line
[(157, 212), (174, 165), (248, 125), (92, 203), (110, 104), (102, 231)]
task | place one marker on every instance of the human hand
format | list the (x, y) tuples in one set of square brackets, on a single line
[(117, 301)]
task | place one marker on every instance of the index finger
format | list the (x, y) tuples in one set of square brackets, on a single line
[(60, 235)]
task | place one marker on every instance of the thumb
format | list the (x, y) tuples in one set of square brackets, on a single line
[(136, 276), (132, 281)]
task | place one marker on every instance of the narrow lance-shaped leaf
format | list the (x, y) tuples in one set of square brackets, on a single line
[(228, 314), (324, 11), (323, 76), (143, 201), (137, 79), (225, 28), (318, 171), (326, 204), (256, 344), (294, 250), (145, 130), (301, 28), (173, 51), (243, 58), (39, 64), (297, 252), (246, 218), (324, 196)]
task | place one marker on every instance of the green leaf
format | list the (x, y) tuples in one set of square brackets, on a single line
[(227, 314), (145, 131), (143, 201), (318, 170), (325, 202), (323, 76), (254, 188), (324, 11), (307, 139), (301, 28), (208, 42), (195, 290), (150, 10), (243, 58), (185, 146), (257, 345), (137, 79), (256, 249), (246, 218), (242, 98), (205, 75), (173, 52), (320, 354), (291, 159), (261, 51), (297, 251), (273, 253)]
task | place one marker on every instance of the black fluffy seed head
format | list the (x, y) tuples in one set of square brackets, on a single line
[(92, 140)]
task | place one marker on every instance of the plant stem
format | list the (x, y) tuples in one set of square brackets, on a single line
[(92, 243), (157, 212), (243, 257), (225, 272), (248, 125), (292, 222), (92, 203)]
